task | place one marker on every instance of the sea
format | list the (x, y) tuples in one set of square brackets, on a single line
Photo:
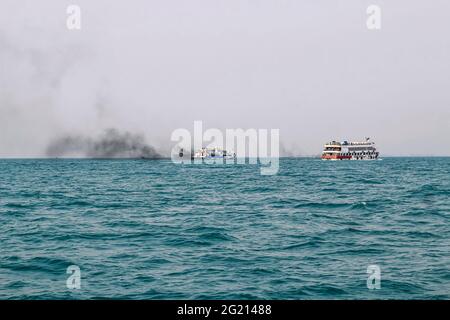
[(153, 229)]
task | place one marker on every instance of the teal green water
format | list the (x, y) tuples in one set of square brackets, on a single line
[(155, 230)]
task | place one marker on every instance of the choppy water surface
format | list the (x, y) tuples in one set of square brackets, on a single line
[(155, 230)]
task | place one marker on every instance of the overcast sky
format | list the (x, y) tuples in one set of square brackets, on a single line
[(310, 68)]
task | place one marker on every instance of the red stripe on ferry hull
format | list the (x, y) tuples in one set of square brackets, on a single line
[(335, 157)]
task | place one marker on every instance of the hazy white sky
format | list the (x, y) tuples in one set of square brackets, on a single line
[(310, 68)]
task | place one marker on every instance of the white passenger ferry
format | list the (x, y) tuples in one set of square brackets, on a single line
[(345, 150)]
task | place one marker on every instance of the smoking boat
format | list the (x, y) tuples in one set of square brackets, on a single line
[(345, 150)]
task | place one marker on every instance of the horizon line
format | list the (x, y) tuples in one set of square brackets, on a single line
[(169, 158)]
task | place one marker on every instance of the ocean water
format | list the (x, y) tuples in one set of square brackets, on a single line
[(142, 229)]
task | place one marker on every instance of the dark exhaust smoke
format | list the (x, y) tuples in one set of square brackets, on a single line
[(110, 144)]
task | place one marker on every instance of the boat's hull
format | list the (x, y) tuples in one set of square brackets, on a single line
[(335, 157), (342, 157)]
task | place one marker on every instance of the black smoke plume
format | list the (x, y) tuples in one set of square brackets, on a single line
[(110, 144)]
